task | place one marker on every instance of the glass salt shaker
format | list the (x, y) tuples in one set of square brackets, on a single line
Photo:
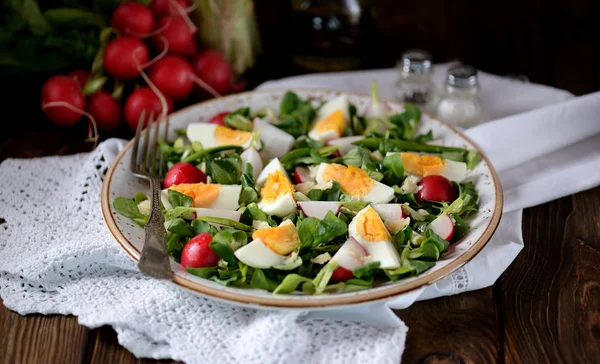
[(459, 103), (415, 84)]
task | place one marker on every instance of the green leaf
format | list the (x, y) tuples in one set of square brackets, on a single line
[(206, 272), (328, 229), (427, 251), (223, 249), (127, 207), (200, 227), (466, 202), (472, 159), (226, 171), (181, 227), (331, 194), (175, 245), (239, 120), (289, 102), (181, 132), (248, 195), (226, 222), (322, 279), (93, 85), (399, 273), (366, 271), (306, 231), (290, 283), (30, 11), (433, 238), (420, 266), (260, 281), (197, 156), (368, 282), (225, 281), (256, 213), (407, 121), (177, 199), (73, 18), (460, 227), (290, 266), (393, 163), (139, 197), (180, 211), (357, 157), (424, 138)]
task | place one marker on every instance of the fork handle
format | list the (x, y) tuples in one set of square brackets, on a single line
[(154, 260)]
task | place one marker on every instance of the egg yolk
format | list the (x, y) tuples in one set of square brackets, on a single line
[(422, 165), (370, 227), (277, 185), (333, 121), (353, 180), (204, 195), (227, 136), (282, 239)]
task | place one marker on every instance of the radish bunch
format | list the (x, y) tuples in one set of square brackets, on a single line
[(148, 61)]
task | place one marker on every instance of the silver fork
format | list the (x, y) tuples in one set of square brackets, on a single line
[(147, 163)]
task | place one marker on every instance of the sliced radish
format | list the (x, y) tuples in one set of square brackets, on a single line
[(319, 209), (276, 141), (302, 175), (226, 214), (251, 156), (389, 211), (351, 255), (443, 226), (345, 144)]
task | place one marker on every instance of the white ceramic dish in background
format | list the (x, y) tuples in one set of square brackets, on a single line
[(120, 182)]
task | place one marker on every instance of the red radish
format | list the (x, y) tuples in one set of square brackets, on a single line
[(106, 110), (443, 226), (351, 255), (177, 33), (133, 18), (191, 51), (80, 76), (226, 214), (183, 173), (213, 68), (173, 76), (124, 57), (302, 175), (436, 188), (62, 89), (389, 211), (345, 144), (341, 274), (197, 253), (252, 157), (167, 7), (319, 209), (144, 99), (219, 119)]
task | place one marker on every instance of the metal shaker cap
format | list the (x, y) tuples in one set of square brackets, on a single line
[(462, 76), (416, 61)]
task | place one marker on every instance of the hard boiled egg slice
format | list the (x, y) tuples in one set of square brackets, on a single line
[(331, 119), (370, 232), (270, 246), (335, 104), (212, 196), (273, 166), (355, 182), (426, 165), (277, 195), (213, 135)]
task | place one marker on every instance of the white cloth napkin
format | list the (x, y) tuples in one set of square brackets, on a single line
[(56, 256)]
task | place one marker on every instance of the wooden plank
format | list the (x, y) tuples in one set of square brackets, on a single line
[(40, 339), (104, 347), (551, 293), (452, 329)]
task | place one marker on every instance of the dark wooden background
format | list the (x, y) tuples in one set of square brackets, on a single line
[(544, 309)]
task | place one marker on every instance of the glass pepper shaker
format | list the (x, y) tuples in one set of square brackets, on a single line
[(415, 84), (459, 103)]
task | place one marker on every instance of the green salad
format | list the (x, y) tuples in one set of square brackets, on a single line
[(310, 198)]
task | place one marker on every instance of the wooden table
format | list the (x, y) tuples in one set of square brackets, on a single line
[(544, 308)]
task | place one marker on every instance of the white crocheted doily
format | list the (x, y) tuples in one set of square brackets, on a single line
[(57, 256)]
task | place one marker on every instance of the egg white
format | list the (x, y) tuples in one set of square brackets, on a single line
[(273, 166), (227, 199), (334, 104), (282, 206), (257, 255), (379, 193), (205, 134), (382, 251), (324, 135)]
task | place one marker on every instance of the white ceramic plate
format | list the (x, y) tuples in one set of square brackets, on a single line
[(120, 182)]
